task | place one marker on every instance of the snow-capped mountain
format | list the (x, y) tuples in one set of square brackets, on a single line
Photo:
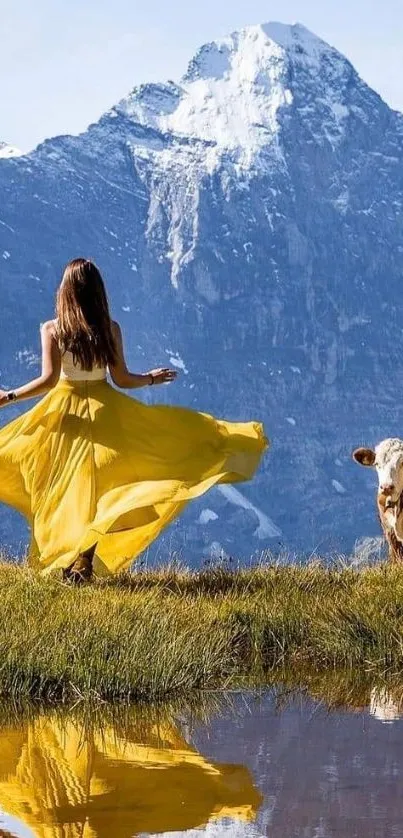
[(248, 221)]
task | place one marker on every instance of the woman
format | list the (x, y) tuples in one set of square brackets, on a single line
[(98, 474)]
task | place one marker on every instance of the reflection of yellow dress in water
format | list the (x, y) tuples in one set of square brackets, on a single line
[(62, 784), (89, 464)]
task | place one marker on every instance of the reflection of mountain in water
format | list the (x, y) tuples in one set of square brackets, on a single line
[(64, 782), (326, 774)]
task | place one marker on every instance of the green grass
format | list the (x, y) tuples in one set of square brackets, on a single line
[(156, 634)]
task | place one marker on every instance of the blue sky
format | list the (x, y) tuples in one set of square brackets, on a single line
[(63, 62)]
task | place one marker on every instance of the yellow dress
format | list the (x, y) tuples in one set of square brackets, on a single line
[(89, 464), (63, 781)]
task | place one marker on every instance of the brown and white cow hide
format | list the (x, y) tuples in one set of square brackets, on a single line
[(387, 459), (389, 519)]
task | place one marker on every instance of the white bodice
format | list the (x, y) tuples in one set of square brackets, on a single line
[(74, 372)]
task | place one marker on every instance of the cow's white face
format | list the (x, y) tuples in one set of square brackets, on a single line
[(387, 458)]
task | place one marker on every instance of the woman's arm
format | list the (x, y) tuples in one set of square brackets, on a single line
[(50, 369), (129, 380)]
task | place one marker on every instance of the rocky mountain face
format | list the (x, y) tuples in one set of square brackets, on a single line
[(248, 222)]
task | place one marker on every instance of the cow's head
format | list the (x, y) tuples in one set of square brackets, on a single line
[(387, 459)]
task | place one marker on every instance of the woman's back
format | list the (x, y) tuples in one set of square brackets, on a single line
[(75, 372), (71, 371)]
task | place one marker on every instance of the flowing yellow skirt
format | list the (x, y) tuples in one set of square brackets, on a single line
[(89, 465)]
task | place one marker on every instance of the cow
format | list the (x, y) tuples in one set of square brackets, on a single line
[(387, 459)]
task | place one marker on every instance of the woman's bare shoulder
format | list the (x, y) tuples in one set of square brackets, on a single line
[(116, 328), (49, 328)]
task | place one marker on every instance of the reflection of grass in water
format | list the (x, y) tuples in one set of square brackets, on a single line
[(122, 720), (155, 634), (197, 709)]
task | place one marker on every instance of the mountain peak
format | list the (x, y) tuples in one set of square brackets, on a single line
[(235, 88), (294, 36), (257, 44)]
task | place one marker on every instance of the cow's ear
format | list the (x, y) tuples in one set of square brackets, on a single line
[(364, 456)]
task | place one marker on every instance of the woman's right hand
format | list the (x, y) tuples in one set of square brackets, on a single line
[(163, 375)]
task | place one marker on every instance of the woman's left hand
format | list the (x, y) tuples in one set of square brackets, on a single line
[(3, 398), (162, 375)]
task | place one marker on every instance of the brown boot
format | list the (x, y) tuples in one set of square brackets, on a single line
[(81, 570)]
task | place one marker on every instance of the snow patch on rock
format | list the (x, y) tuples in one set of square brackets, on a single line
[(207, 515), (267, 528), (7, 150), (338, 487)]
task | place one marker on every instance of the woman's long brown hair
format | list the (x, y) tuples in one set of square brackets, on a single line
[(84, 325)]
